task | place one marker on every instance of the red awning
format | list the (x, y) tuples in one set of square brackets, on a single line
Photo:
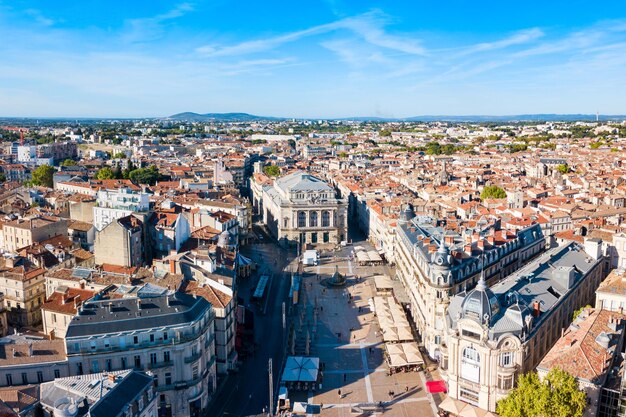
[(436, 386)]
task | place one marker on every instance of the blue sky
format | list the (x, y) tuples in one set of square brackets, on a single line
[(329, 58)]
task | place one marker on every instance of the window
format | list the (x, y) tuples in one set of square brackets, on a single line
[(313, 219), (137, 361), (166, 356), (24, 378), (469, 395), (107, 343), (326, 237), (57, 373), (168, 378), (505, 382), (470, 365), (39, 377), (506, 359), (79, 367), (301, 219), (108, 365), (124, 363), (135, 339), (92, 344), (194, 372), (313, 237), (325, 218), (152, 338), (9, 379), (164, 335), (54, 318), (95, 367), (153, 358)]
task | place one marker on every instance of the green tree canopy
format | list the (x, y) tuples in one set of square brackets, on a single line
[(68, 163), (146, 175), (271, 170), (105, 173), (563, 168), (385, 133), (557, 395), (42, 175), (119, 155), (492, 191)]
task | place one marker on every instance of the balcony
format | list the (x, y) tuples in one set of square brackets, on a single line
[(160, 365), (193, 358)]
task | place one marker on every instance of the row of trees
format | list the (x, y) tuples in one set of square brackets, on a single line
[(147, 176), (42, 175)]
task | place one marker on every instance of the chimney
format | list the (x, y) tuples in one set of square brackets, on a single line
[(449, 240), (491, 239), (468, 248), (63, 299), (536, 308), (111, 378), (30, 349), (138, 303), (172, 266), (76, 301), (480, 243)]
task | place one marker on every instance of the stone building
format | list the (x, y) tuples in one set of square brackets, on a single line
[(120, 242), (171, 335), (24, 292), (24, 232), (301, 208), (497, 333), (434, 264)]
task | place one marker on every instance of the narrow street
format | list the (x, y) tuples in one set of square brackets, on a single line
[(246, 393)]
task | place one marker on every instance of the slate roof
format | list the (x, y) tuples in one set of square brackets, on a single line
[(129, 314), (538, 281)]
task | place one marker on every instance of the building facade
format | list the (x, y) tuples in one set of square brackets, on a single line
[(497, 333), (434, 265), (302, 209), (114, 204), (171, 336)]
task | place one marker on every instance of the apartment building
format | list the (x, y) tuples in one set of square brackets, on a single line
[(170, 335), (24, 232), (121, 242), (114, 204), (434, 264), (497, 333), (24, 292)]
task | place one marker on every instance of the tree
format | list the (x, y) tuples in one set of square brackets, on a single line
[(42, 176), (119, 155), (558, 395), (385, 133), (145, 175), (105, 174), (578, 311), (68, 163), (563, 168), (492, 191), (271, 170), (3, 177)]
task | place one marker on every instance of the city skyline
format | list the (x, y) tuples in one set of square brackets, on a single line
[(329, 59)]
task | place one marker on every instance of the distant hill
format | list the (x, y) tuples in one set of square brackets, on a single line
[(480, 118), (221, 117)]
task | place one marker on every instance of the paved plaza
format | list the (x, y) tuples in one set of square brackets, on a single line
[(349, 343)]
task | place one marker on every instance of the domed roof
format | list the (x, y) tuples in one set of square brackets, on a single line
[(480, 304), (407, 214), (442, 256), (225, 239)]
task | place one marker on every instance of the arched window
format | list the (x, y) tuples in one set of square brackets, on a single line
[(313, 219), (470, 365), (325, 219), (301, 219)]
